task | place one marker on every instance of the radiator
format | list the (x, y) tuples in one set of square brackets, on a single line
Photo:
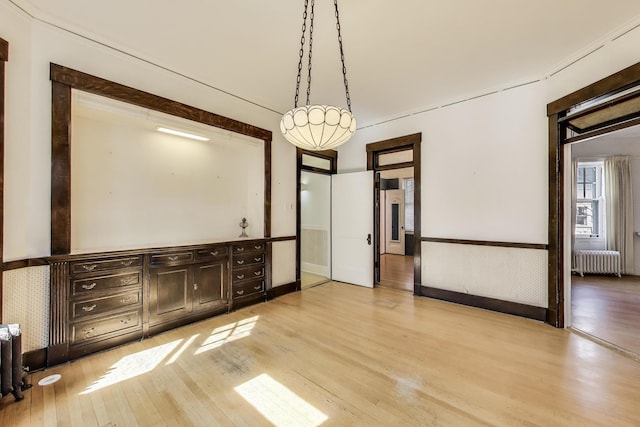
[(597, 261), (11, 372)]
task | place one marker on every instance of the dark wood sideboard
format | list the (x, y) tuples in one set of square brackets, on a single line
[(103, 300)]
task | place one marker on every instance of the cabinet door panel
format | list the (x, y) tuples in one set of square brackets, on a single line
[(171, 293), (211, 285)]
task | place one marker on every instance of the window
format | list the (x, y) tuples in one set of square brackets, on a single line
[(590, 200), (407, 185)]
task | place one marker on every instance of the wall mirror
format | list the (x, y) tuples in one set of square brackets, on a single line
[(119, 183), (142, 178)]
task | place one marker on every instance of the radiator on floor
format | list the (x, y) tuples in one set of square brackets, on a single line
[(597, 261), (11, 372)]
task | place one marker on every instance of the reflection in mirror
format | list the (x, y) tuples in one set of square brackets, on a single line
[(315, 228), (133, 186)]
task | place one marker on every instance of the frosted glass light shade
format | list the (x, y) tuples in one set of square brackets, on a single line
[(318, 127)]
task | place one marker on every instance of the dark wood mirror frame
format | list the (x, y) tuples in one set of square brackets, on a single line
[(4, 57), (558, 138), (63, 80)]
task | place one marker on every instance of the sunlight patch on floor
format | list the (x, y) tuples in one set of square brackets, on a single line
[(228, 333), (133, 365), (278, 404)]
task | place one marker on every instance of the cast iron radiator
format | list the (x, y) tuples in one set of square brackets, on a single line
[(12, 379)]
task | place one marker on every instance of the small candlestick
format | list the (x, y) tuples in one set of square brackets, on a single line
[(244, 224)]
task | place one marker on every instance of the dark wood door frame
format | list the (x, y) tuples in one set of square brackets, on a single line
[(402, 143), (4, 57), (332, 157), (558, 138)]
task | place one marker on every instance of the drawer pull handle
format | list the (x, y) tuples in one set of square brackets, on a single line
[(126, 300), (89, 267), (240, 261), (239, 249), (127, 263), (195, 286), (257, 288), (240, 276), (240, 292), (127, 280), (88, 307), (89, 287), (258, 259), (257, 273), (173, 257), (258, 247), (214, 253), (88, 332), (125, 321)]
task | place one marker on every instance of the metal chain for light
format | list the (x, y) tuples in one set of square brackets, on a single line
[(344, 68), (301, 54)]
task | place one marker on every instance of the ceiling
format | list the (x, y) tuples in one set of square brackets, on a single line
[(401, 57)]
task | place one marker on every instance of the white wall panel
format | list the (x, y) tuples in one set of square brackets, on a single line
[(283, 267), (511, 274)]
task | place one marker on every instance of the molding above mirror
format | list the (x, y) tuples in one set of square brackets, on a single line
[(63, 81)]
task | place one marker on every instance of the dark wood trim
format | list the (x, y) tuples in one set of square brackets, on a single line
[(99, 86), (281, 239), (63, 80), (330, 155), (611, 84), (603, 131), (557, 110), (501, 306), (60, 169), (403, 143), (518, 245), (24, 263), (4, 50), (4, 56), (35, 360), (281, 290), (395, 166)]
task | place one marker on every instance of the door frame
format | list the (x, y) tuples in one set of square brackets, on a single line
[(374, 150), (332, 157), (557, 112)]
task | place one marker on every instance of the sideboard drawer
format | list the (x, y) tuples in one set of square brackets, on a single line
[(247, 273), (240, 261), (172, 258), (80, 309), (214, 252), (248, 288), (248, 247), (81, 267), (102, 327), (104, 283)]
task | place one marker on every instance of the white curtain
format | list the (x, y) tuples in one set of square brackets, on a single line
[(574, 210), (619, 209)]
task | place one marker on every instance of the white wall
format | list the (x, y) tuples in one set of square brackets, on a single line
[(484, 172), (32, 46)]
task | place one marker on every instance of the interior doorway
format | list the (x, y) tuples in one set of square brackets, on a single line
[(313, 246), (397, 231), (396, 228)]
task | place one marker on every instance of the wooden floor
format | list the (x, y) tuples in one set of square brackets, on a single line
[(608, 308), (344, 355), (396, 272)]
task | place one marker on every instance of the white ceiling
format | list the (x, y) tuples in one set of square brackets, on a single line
[(401, 56)]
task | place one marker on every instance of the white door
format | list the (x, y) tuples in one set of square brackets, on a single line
[(352, 228), (394, 222)]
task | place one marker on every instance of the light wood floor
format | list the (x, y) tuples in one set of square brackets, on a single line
[(396, 271), (608, 308), (309, 280), (344, 355)]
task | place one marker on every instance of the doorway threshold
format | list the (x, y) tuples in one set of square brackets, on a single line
[(604, 343)]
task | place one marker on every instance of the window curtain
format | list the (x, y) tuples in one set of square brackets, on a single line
[(619, 209), (574, 210)]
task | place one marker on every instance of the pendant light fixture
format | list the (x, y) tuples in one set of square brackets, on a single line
[(318, 127)]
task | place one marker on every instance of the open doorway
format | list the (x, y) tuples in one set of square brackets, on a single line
[(314, 170), (396, 228), (605, 212)]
